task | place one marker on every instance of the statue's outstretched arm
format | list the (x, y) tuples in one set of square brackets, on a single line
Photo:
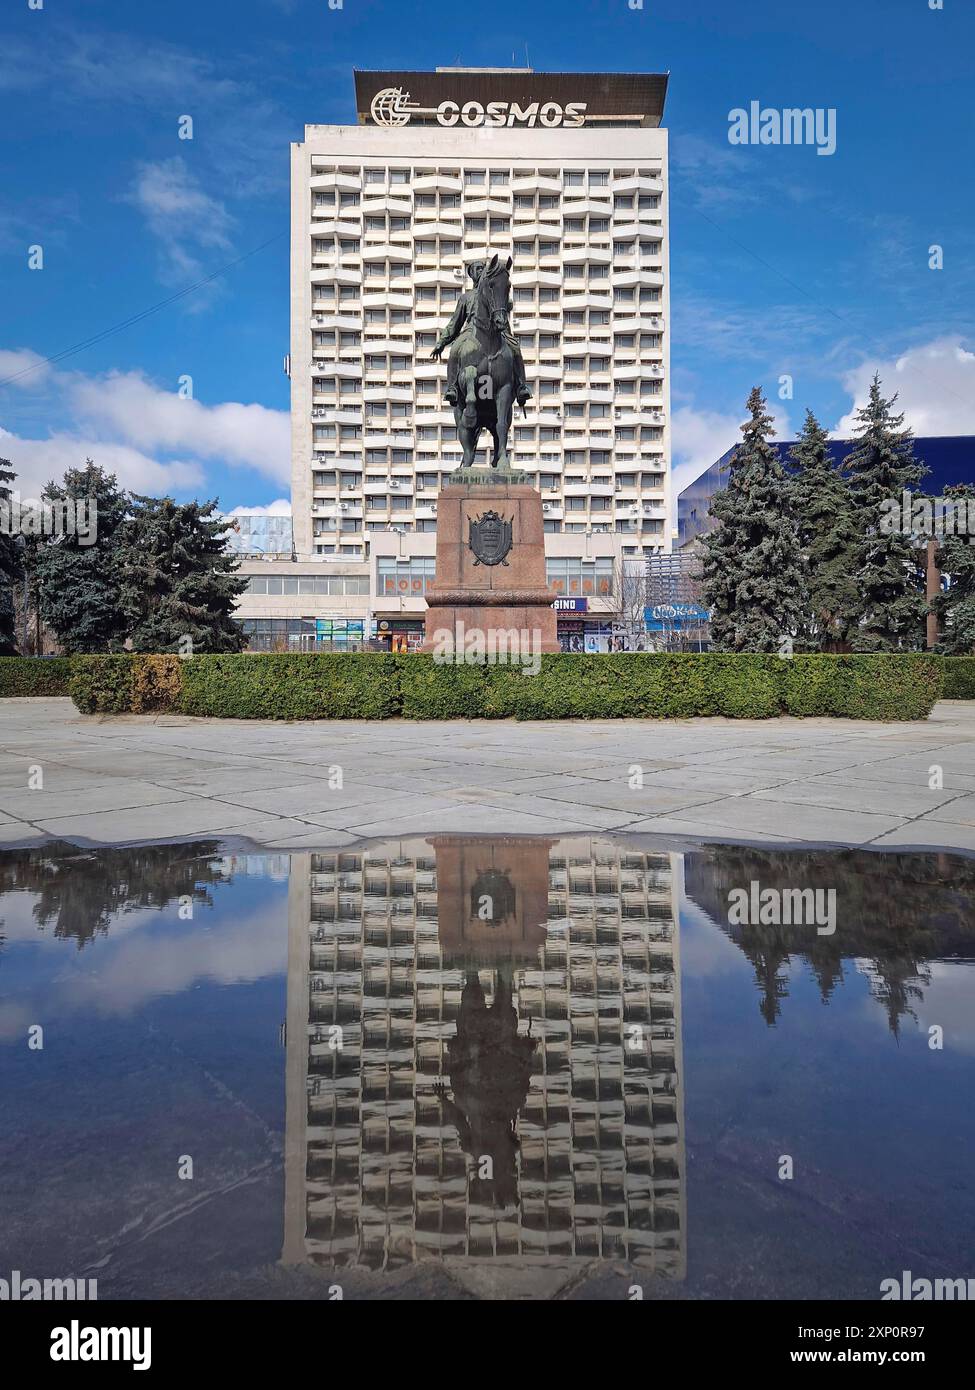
[(454, 326)]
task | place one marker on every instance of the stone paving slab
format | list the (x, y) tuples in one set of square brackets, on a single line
[(134, 778)]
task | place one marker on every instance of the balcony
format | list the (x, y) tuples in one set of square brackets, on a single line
[(530, 230), (443, 183), (646, 323), (548, 278), (535, 183), (332, 228), (348, 183), (387, 251), (638, 183), (436, 277), (596, 207), (482, 207), (386, 299), (339, 415), (396, 207), (387, 393), (586, 255)]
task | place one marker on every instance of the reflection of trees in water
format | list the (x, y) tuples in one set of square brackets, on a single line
[(489, 1067), (82, 891), (896, 912)]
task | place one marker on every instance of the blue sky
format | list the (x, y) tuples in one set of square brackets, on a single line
[(783, 261)]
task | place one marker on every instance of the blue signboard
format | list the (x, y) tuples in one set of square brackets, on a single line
[(571, 605), (666, 617)]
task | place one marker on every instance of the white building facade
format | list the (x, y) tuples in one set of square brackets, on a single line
[(568, 175)]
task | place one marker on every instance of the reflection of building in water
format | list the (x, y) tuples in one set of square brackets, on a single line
[(541, 1031)]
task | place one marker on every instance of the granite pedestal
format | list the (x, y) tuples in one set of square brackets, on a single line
[(471, 595)]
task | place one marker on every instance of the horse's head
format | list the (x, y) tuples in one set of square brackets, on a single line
[(493, 289)]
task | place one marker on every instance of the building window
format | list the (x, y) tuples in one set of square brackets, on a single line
[(576, 577), (405, 580)]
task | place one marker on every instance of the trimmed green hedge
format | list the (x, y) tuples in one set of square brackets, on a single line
[(959, 678), (618, 686), (886, 687), (102, 684), (34, 675), (332, 685)]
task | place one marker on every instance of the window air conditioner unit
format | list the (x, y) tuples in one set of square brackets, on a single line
[(546, 506)]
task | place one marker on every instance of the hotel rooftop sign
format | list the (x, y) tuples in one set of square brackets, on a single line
[(515, 97)]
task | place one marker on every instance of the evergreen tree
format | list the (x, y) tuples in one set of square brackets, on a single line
[(828, 539), (78, 584), (11, 564), (880, 468), (179, 584), (955, 558), (753, 577)]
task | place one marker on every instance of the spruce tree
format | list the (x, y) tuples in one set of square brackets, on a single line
[(753, 578), (828, 539), (880, 468), (11, 564), (78, 584), (179, 584), (955, 558)]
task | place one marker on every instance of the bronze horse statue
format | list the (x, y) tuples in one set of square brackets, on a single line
[(483, 365)]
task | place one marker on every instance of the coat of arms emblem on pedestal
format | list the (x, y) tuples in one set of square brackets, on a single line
[(490, 538)]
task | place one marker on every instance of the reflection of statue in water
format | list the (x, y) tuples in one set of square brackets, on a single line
[(489, 1067), (486, 370)]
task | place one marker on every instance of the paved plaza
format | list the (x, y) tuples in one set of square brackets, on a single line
[(137, 778)]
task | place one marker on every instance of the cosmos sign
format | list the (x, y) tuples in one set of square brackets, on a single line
[(392, 107)]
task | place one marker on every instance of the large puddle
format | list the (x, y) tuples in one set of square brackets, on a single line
[(468, 1066)]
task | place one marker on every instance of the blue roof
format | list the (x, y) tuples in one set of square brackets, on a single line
[(949, 457)]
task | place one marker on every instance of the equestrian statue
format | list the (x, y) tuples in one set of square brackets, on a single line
[(485, 371)]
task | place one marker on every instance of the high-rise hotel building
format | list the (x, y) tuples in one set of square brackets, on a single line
[(567, 174)]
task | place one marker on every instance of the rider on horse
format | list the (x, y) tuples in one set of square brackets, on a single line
[(458, 321)]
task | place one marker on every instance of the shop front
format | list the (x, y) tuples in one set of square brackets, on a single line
[(341, 634), (579, 630), (399, 634)]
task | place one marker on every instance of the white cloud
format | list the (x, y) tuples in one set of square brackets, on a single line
[(935, 386), (38, 461), (121, 971), (702, 436), (28, 368), (137, 411), (181, 216), (154, 440)]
